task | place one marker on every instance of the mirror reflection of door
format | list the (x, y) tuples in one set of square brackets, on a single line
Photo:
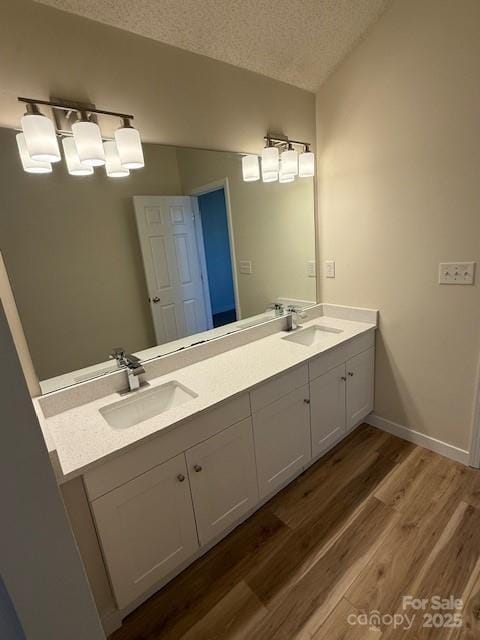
[(186, 251), (216, 244), (166, 229)]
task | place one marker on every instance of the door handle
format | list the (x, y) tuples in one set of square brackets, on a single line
[(181, 477), (306, 400), (344, 378), (350, 373), (197, 468), (155, 300)]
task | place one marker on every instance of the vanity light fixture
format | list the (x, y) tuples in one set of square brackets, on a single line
[(113, 165), (75, 166), (40, 136), (88, 141), (285, 177), (82, 140), (269, 176), (251, 170), (289, 161), (29, 165), (280, 161), (129, 146), (270, 162), (306, 163)]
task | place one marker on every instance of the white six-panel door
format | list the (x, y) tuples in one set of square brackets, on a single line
[(327, 409), (147, 528), (223, 479), (166, 230)]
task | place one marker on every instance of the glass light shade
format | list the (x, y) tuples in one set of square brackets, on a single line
[(129, 148), (285, 177), (250, 168), (270, 161), (40, 138), (306, 164), (113, 166), (269, 176), (74, 166), (29, 165), (88, 141), (289, 162)]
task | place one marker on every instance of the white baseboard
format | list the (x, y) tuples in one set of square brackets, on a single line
[(443, 448)]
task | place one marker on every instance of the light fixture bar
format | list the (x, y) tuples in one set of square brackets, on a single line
[(284, 141), (71, 106)]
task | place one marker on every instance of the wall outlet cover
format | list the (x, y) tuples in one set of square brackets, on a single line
[(456, 272), (311, 269), (246, 267), (330, 268)]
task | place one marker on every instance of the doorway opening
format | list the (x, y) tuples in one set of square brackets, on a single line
[(213, 218), (216, 237)]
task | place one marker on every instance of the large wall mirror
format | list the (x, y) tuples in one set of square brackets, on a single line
[(178, 252)]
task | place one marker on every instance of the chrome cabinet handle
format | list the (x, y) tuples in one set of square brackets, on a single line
[(197, 468), (181, 477), (156, 299), (350, 373), (306, 400), (344, 378)]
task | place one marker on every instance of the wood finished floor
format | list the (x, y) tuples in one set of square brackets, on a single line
[(376, 519)]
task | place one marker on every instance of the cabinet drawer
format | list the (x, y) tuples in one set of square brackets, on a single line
[(278, 387), (123, 468), (331, 359), (360, 344)]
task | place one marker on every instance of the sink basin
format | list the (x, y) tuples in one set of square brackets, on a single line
[(143, 405), (312, 335)]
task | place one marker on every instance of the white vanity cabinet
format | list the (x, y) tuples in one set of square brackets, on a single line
[(223, 479), (281, 428), (360, 377), (341, 396), (161, 504), (146, 528), (328, 409)]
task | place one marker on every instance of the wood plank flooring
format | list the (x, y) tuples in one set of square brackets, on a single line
[(373, 521)]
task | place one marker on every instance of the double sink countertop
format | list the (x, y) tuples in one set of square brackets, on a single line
[(80, 437)]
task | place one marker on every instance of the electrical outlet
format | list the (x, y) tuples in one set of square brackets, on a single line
[(456, 272), (246, 267), (330, 268), (311, 269)]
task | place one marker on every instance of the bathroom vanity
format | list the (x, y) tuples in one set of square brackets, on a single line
[(170, 469), (184, 274)]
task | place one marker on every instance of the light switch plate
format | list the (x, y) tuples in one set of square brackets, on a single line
[(456, 272), (311, 269), (330, 268), (246, 267)]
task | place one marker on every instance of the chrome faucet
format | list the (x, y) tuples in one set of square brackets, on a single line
[(277, 307), (293, 314), (132, 364)]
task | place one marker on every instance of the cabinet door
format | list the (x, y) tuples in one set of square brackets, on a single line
[(327, 409), (146, 528), (360, 379), (223, 479), (281, 431)]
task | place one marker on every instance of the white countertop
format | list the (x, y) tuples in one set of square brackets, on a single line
[(82, 438)]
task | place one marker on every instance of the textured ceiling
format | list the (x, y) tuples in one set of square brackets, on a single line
[(296, 41)]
